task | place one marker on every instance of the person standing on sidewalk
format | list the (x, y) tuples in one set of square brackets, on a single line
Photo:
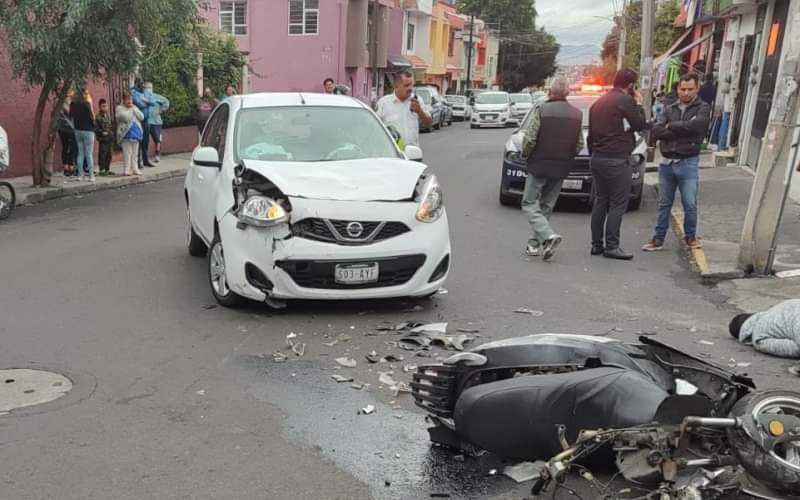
[(104, 129), (143, 99), (83, 118), (680, 130), (551, 142), (203, 107), (613, 119), (158, 104), (129, 134), (66, 133)]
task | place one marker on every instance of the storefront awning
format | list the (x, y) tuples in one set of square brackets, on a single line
[(674, 53), (417, 62), (398, 62), (451, 68)]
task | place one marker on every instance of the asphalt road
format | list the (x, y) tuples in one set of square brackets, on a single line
[(176, 399)]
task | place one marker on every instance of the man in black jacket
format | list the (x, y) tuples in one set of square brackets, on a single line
[(613, 119), (680, 130), (552, 140)]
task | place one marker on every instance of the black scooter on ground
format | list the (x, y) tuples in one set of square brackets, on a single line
[(671, 421)]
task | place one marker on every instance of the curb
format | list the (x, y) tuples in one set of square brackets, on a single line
[(53, 193)]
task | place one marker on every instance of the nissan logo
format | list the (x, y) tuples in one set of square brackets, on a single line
[(355, 229)]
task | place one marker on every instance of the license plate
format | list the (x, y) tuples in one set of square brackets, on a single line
[(356, 274), (572, 184)]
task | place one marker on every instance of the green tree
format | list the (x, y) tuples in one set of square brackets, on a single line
[(173, 70), (665, 33), (527, 53), (55, 46)]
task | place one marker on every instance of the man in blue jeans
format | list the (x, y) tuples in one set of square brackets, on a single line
[(680, 128)]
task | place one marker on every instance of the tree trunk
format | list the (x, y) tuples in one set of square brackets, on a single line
[(36, 139), (52, 129)]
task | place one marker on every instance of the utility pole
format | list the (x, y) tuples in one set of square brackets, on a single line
[(777, 160), (646, 68), (623, 36), (469, 54)]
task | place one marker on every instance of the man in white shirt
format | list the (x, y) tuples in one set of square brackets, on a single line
[(402, 111)]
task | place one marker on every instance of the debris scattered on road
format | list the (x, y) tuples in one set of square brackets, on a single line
[(373, 357), (468, 330), (201, 392), (209, 306), (341, 378), (299, 348), (458, 458), (732, 363), (743, 365), (532, 312), (367, 410), (492, 472), (385, 378), (398, 416), (357, 386), (795, 370), (290, 339), (646, 333), (410, 367), (416, 308), (396, 387), (440, 495), (331, 344), (704, 342), (443, 291), (347, 362), (279, 357), (431, 328), (524, 471), (391, 358), (693, 329)]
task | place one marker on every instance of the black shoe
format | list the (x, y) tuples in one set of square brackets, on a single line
[(617, 253), (597, 250), (148, 164)]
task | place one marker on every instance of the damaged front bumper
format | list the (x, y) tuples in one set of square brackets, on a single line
[(278, 263)]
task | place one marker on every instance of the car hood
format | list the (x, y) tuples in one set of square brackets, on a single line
[(491, 107), (373, 179)]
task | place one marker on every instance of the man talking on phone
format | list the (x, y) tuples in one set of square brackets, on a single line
[(613, 119), (402, 110)]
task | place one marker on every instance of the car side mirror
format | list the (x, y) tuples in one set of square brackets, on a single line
[(413, 153), (206, 157)]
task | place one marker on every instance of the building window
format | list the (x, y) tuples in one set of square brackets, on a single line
[(233, 17), (410, 37), (303, 17)]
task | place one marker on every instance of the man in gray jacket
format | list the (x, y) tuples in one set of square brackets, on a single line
[(775, 331), (553, 138)]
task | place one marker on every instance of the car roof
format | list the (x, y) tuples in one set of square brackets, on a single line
[(281, 99), (495, 92)]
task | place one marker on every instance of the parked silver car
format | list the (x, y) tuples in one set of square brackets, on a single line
[(460, 106)]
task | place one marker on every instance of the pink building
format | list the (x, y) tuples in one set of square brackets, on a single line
[(293, 45)]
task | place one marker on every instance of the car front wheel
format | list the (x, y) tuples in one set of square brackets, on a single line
[(196, 246), (218, 276)]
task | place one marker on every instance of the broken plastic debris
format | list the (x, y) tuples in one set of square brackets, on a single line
[(331, 344), (397, 416), (788, 274), (525, 310), (391, 358), (431, 328), (201, 392), (373, 357), (299, 348), (468, 330), (492, 472), (357, 386), (385, 378), (416, 308), (209, 306), (732, 363), (443, 291), (279, 357), (410, 368), (290, 339), (794, 370), (705, 342), (524, 471), (742, 365), (367, 410), (340, 378), (347, 362)]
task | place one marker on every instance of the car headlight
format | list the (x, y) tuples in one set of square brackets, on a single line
[(431, 200), (262, 211)]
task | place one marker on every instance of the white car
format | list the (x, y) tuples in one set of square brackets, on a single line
[(461, 108), (520, 105), (307, 196), (491, 109)]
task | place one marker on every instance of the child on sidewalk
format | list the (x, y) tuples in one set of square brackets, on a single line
[(104, 128)]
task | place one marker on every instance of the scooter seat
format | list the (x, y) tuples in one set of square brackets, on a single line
[(519, 417)]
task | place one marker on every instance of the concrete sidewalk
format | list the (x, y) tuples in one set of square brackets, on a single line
[(722, 204), (27, 194)]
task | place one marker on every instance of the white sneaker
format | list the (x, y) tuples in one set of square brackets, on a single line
[(532, 250), (91, 178)]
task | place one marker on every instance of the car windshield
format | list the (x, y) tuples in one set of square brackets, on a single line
[(455, 98), (492, 98), (311, 133), (425, 95), (524, 98), (583, 103)]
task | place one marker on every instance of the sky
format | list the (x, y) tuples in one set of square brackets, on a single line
[(572, 21)]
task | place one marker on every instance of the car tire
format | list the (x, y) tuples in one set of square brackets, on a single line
[(437, 126), (508, 200), (195, 244), (217, 276)]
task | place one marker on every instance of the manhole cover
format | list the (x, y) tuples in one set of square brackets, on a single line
[(21, 387)]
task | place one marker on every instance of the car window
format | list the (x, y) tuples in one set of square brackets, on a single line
[(310, 134), (424, 94), (492, 98), (455, 98), (517, 98), (214, 135)]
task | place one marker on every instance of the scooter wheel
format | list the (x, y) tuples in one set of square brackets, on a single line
[(778, 469)]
